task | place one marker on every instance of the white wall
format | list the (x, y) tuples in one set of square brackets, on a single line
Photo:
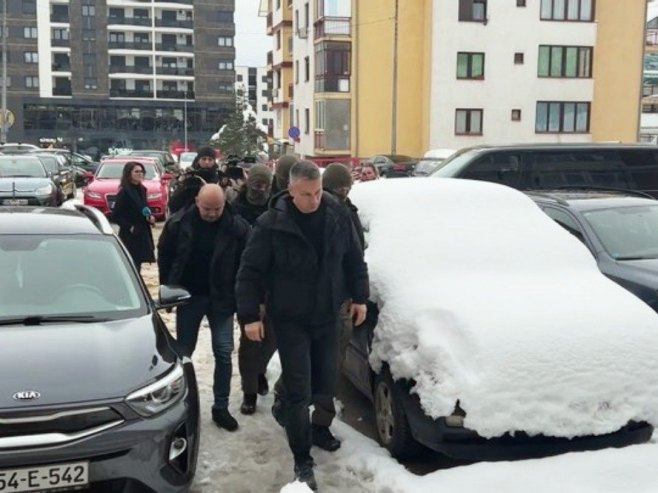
[(44, 49), (304, 91), (506, 86)]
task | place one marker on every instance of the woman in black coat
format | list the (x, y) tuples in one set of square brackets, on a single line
[(133, 215)]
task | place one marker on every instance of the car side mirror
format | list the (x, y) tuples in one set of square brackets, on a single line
[(171, 296)]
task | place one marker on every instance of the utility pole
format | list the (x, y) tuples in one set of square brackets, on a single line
[(184, 120), (394, 112), (3, 127)]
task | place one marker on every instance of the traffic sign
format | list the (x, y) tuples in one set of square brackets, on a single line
[(294, 132), (9, 116)]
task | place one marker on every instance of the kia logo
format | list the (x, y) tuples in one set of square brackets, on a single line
[(26, 395)]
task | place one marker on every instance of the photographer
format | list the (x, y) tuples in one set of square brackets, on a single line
[(204, 170)]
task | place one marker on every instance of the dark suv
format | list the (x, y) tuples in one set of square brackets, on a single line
[(620, 229), (94, 392)]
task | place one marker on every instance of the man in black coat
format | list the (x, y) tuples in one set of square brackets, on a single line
[(303, 259), (200, 249), (253, 356)]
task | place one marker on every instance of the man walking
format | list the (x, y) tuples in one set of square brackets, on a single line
[(253, 356), (303, 259), (200, 249)]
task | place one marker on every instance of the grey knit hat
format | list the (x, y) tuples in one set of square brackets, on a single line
[(259, 173), (282, 172), (336, 175)]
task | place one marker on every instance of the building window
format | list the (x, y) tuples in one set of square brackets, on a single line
[(263, 107), (296, 71), (88, 35), (225, 65), (88, 11), (307, 22), (30, 57), (520, 3), (225, 16), (30, 32), (61, 34), (468, 122), (516, 115), (307, 69), (470, 65), (567, 10), (277, 37), (307, 121), (91, 83), (562, 117), (224, 41), (31, 81), (519, 58), (238, 77), (565, 61), (472, 10), (29, 6), (225, 88)]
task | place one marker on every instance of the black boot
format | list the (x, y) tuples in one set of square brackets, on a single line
[(248, 404), (263, 386), (279, 412), (322, 437), (223, 419), (304, 474)]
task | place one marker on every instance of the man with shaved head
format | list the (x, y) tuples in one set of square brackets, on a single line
[(200, 249)]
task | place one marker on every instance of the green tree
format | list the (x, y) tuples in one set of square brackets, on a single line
[(240, 135)]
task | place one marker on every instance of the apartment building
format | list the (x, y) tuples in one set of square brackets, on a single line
[(128, 73), (311, 66), (432, 74), (649, 119), (255, 86)]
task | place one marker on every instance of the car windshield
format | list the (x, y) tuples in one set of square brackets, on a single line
[(627, 233), (52, 275), (114, 171), (427, 165), (451, 167), (24, 166), (50, 162), (187, 156)]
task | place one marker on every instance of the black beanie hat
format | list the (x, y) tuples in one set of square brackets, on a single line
[(205, 152), (335, 176)]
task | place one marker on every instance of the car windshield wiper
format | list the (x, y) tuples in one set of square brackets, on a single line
[(637, 257), (44, 319)]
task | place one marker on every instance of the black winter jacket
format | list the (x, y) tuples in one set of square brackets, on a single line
[(191, 182), (175, 247), (127, 213), (246, 209), (281, 266)]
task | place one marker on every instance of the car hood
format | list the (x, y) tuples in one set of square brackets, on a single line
[(111, 185), (68, 363), (646, 266), (8, 183)]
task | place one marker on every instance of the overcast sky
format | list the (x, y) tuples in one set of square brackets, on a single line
[(251, 42)]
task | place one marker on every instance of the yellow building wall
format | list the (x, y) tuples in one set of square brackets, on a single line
[(373, 35), (617, 70)]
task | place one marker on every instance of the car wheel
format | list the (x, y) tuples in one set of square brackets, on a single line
[(393, 430)]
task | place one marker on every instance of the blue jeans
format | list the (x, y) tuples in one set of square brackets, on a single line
[(188, 321)]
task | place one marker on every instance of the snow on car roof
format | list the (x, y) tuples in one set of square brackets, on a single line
[(486, 301)]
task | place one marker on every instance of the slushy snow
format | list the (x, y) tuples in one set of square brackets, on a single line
[(486, 301)]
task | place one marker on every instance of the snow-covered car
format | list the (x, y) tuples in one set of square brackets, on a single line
[(496, 336)]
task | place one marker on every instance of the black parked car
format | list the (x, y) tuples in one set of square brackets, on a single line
[(621, 231), (393, 165), (61, 173), (25, 181), (99, 397)]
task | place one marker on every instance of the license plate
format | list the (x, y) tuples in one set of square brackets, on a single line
[(15, 202), (44, 478)]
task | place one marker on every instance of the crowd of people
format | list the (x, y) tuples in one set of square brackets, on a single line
[(280, 251)]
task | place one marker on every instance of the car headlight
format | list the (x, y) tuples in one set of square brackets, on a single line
[(160, 395), (45, 190), (153, 196), (93, 195)]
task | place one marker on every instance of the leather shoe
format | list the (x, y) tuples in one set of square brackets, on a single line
[(322, 437), (248, 404), (304, 474), (223, 419)]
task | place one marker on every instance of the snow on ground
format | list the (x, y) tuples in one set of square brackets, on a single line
[(501, 309)]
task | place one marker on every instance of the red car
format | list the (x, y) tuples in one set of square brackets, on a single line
[(102, 189)]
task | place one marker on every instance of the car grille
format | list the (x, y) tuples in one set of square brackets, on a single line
[(68, 422)]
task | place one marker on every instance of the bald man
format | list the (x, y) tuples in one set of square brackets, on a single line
[(200, 249)]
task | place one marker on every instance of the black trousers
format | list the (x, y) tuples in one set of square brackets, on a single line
[(309, 360), (253, 357)]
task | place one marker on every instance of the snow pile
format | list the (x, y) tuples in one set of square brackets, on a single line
[(296, 487), (485, 300)]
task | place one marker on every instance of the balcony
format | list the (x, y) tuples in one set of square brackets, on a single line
[(131, 93), (319, 140), (130, 69), (185, 24), (61, 67), (269, 23), (174, 71), (60, 42), (332, 26), (129, 21), (174, 47), (129, 45), (62, 18), (62, 91), (332, 83), (169, 94)]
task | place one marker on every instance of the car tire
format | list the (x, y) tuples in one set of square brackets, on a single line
[(393, 430)]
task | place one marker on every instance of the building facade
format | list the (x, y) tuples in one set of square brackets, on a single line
[(97, 74), (432, 74), (255, 86)]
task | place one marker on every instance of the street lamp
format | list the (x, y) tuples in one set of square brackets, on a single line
[(3, 126)]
